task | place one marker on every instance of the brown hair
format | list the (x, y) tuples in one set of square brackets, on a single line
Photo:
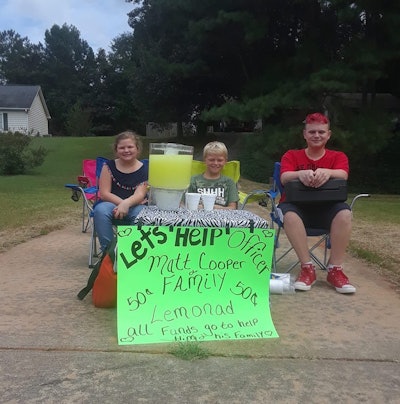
[(128, 134)]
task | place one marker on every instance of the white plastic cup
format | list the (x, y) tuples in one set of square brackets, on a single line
[(208, 201), (276, 286), (281, 283), (192, 200)]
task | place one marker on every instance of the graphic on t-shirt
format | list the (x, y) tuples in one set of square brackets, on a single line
[(220, 192)]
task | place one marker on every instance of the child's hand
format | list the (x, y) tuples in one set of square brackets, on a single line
[(121, 210), (116, 213)]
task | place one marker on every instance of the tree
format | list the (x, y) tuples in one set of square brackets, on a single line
[(68, 73), (322, 48), (19, 59), (371, 43), (78, 122), (240, 57), (126, 100), (184, 60)]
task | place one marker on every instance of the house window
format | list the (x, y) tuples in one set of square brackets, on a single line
[(5, 121)]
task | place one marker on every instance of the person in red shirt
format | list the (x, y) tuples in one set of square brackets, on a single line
[(314, 166)]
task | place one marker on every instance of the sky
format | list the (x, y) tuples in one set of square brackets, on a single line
[(98, 21)]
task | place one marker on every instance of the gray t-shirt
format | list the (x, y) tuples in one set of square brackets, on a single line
[(224, 187)]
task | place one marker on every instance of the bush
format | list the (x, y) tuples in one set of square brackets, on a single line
[(15, 155)]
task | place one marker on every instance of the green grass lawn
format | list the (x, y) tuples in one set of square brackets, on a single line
[(40, 195), (40, 199), (378, 209)]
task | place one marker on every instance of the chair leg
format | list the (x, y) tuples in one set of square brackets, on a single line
[(276, 260), (86, 217), (88, 221), (87, 212), (84, 225), (93, 253), (322, 264)]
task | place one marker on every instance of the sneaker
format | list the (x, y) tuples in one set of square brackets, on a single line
[(306, 277), (339, 280)]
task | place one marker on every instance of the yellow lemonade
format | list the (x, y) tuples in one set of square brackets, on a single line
[(170, 171)]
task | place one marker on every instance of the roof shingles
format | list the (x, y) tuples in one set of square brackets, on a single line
[(17, 96)]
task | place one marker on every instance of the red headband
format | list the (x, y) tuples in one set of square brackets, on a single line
[(316, 118)]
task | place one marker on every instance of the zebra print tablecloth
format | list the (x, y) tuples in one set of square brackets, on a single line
[(153, 216)]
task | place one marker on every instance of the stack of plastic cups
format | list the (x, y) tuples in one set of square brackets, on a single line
[(280, 284)]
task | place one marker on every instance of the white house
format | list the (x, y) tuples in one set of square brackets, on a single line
[(23, 109)]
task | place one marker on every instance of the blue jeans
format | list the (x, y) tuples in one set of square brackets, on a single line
[(104, 221)]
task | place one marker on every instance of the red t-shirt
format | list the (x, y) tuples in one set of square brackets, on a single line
[(296, 160)]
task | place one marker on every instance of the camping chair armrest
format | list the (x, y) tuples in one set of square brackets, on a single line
[(255, 194), (276, 213), (356, 198), (89, 194)]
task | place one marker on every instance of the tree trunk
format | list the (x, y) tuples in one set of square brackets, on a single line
[(179, 130)]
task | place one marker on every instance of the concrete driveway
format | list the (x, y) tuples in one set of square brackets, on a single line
[(55, 348)]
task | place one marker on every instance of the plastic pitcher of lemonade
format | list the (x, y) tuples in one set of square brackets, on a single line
[(170, 165)]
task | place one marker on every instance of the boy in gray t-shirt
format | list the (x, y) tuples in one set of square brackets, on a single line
[(215, 156)]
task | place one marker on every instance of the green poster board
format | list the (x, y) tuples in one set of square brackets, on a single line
[(180, 284)]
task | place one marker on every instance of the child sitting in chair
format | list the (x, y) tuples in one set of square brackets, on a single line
[(314, 166), (215, 156)]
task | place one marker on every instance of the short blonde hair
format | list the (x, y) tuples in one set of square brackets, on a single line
[(215, 148), (128, 134)]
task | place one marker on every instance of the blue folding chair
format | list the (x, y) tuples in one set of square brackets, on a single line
[(94, 252), (277, 222), (86, 188)]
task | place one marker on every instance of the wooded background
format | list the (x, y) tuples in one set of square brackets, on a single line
[(233, 60)]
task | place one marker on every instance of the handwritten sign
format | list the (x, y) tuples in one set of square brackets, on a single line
[(193, 284)]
